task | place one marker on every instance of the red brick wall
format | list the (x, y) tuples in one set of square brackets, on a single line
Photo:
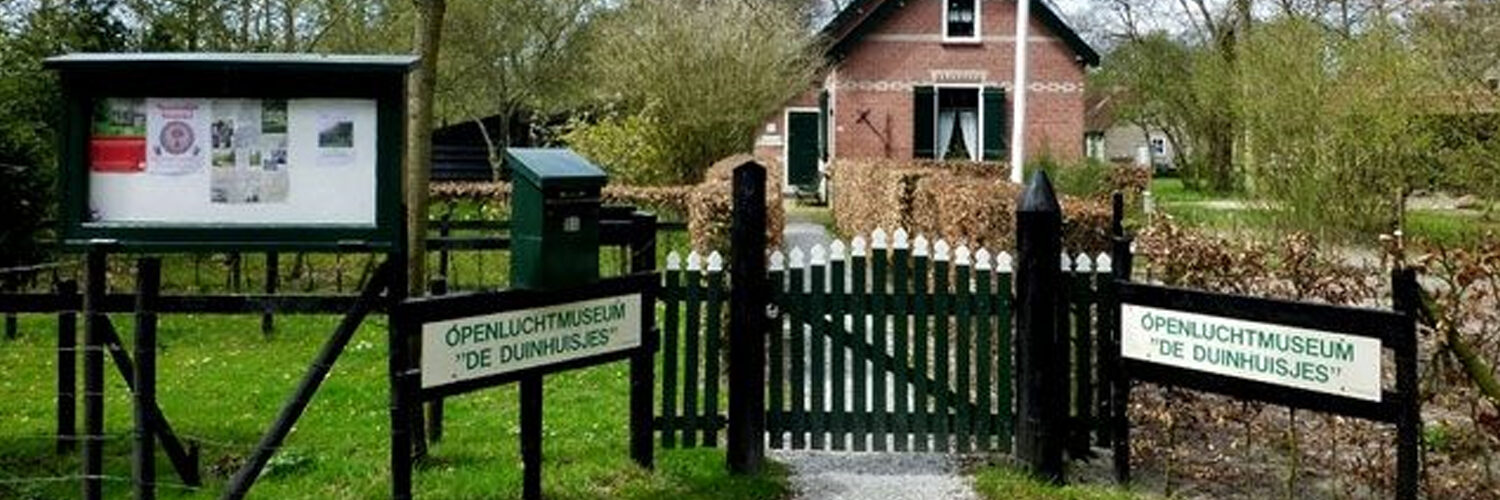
[(875, 81)]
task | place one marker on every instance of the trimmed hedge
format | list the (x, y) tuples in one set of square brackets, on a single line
[(706, 205), (962, 202), (710, 204)]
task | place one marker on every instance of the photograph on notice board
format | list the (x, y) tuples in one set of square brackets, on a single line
[(177, 131), (273, 124), (335, 138), (245, 164), (118, 140)]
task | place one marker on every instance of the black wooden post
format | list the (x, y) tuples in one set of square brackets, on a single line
[(273, 274), (1119, 386), (531, 437), (1042, 356), (12, 329), (1407, 295), (749, 300), (643, 365), (143, 460), (402, 399), (67, 369), (438, 287), (443, 232), (93, 375)]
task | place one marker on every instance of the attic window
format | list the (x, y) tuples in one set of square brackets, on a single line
[(960, 20)]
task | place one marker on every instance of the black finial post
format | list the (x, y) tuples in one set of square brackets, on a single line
[(749, 298), (1042, 360)]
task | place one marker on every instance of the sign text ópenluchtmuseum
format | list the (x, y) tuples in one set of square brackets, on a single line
[(492, 344), (1326, 362)]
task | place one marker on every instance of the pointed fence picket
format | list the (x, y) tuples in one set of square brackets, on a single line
[(891, 342)]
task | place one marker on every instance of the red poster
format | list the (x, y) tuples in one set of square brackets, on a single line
[(118, 142)]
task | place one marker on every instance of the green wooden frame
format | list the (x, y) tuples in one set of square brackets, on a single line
[(87, 77)]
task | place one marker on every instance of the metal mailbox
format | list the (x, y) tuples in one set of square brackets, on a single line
[(554, 218)]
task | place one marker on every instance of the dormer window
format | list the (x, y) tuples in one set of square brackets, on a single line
[(961, 20)]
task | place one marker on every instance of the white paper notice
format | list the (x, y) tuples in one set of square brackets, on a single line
[(251, 162), (176, 136)]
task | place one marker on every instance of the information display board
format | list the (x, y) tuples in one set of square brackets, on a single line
[(492, 344), (1314, 360), (232, 162), (233, 151), (479, 340)]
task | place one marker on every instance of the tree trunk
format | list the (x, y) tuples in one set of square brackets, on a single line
[(289, 26), (427, 38)]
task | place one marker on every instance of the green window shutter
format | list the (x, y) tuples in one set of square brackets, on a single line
[(994, 123), (823, 125), (923, 138)]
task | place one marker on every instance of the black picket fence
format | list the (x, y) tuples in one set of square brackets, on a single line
[(897, 345)]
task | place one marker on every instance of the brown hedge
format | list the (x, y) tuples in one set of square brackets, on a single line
[(706, 205), (972, 203), (709, 204)]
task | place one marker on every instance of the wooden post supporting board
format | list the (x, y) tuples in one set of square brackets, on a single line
[(531, 437), (400, 368), (749, 300), (1119, 390), (643, 364), (93, 374), (143, 459), (1407, 295)]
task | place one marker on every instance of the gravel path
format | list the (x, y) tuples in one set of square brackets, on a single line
[(836, 475)]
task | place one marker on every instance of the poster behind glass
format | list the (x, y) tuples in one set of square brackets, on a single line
[(253, 162)]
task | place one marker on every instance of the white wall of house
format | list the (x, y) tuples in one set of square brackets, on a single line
[(1132, 144)]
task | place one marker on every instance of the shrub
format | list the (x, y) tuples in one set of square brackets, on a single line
[(23, 196), (710, 205), (972, 203)]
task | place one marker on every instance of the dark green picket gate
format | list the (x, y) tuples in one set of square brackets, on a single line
[(839, 375)]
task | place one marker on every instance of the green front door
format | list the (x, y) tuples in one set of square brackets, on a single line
[(802, 149)]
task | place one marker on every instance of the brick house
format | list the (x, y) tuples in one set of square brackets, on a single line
[(929, 79)]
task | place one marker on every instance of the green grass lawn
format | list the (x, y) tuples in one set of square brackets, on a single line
[(1195, 208), (221, 384), (1005, 483)]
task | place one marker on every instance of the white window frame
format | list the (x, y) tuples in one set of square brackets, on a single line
[(976, 154), (978, 18)]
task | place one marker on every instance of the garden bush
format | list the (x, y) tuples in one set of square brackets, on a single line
[(1191, 435), (710, 204), (971, 203)]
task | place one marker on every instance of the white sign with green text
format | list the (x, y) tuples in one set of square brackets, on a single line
[(1313, 360), (493, 344)]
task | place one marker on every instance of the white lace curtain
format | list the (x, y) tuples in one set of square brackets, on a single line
[(968, 124)]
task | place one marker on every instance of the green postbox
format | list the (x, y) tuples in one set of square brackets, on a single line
[(554, 218)]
